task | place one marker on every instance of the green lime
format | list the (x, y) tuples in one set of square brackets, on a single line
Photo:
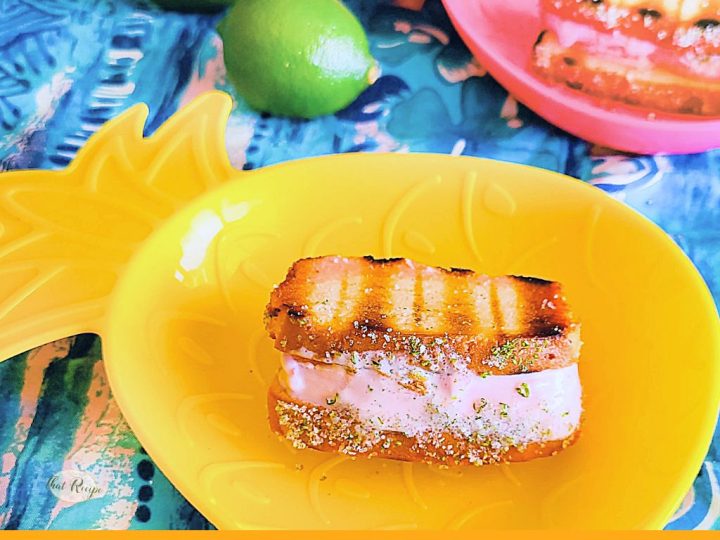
[(301, 58), (194, 5)]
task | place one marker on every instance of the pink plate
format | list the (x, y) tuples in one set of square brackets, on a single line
[(501, 34)]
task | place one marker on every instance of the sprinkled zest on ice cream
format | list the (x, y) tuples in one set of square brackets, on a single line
[(375, 392)]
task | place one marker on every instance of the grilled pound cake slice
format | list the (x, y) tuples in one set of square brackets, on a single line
[(658, 54), (402, 360), (332, 305), (626, 79)]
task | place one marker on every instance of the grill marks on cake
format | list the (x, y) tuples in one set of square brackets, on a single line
[(354, 284), (335, 303), (371, 314), (417, 303)]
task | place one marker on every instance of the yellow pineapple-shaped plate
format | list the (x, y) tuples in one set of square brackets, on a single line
[(170, 254)]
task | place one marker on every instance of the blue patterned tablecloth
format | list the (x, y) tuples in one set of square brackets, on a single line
[(67, 66)]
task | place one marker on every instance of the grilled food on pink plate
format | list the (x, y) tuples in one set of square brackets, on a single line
[(392, 358), (662, 55)]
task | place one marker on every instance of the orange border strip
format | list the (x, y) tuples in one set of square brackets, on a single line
[(366, 535)]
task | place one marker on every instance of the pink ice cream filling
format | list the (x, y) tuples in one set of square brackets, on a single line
[(384, 395)]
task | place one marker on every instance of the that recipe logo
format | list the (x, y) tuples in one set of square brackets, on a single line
[(73, 486)]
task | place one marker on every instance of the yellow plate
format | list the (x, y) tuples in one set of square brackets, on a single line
[(189, 361)]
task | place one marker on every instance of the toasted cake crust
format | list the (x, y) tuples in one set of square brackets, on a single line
[(499, 325)]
